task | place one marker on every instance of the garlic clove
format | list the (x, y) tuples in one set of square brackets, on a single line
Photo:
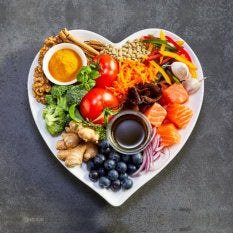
[(192, 85), (180, 70)]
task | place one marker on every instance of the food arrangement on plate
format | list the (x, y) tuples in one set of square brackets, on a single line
[(118, 110)]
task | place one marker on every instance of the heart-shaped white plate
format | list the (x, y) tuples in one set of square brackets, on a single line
[(118, 198)]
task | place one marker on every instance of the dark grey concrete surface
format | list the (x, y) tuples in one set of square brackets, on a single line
[(193, 194)]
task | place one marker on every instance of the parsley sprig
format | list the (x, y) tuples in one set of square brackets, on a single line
[(88, 74)]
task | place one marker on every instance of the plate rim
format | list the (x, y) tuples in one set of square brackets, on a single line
[(118, 202)]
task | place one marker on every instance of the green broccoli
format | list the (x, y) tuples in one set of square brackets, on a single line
[(59, 93), (55, 119), (75, 95), (68, 119), (50, 100)]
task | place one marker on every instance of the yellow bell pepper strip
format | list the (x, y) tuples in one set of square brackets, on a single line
[(151, 46), (180, 42), (160, 69), (193, 73), (162, 37), (179, 58)]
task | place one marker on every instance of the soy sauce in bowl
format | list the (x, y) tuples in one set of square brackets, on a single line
[(129, 132)]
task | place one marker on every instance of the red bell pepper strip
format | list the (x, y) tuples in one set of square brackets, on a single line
[(154, 52), (169, 39), (165, 60), (151, 58), (150, 37)]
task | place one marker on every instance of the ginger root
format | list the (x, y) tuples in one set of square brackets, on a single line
[(72, 157), (88, 134), (60, 145), (90, 152), (70, 140), (78, 144)]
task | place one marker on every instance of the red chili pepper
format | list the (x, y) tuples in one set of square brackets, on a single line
[(151, 58), (150, 37), (154, 52), (169, 39)]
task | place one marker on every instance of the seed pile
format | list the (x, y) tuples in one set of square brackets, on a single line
[(133, 50)]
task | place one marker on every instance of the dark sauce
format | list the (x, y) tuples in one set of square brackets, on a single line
[(129, 131)]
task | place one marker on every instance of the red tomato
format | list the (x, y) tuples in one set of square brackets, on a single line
[(92, 104), (109, 71)]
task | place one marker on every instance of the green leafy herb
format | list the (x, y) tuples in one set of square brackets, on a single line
[(99, 129), (108, 112), (88, 74), (74, 113)]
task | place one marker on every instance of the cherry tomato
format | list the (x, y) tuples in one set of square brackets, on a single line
[(93, 103), (109, 71)]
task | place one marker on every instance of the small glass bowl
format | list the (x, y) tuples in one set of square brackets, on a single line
[(113, 142)]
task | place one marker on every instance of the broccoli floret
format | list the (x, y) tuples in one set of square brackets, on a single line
[(75, 95), (59, 92), (50, 100), (55, 119), (68, 119), (62, 102)]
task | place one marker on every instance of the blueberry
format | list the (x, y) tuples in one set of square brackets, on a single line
[(93, 175), (104, 182), (101, 171), (123, 176), (121, 167), (131, 168), (109, 164), (114, 156), (137, 158), (113, 174), (116, 185), (127, 183), (90, 165), (105, 151), (125, 158), (99, 159), (105, 143)]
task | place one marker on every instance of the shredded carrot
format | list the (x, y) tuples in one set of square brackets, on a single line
[(131, 73)]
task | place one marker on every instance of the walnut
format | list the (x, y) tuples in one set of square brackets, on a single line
[(43, 51), (52, 40)]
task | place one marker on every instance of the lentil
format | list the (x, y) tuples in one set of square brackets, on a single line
[(133, 50)]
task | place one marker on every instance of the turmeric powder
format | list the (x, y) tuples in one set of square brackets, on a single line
[(64, 65)]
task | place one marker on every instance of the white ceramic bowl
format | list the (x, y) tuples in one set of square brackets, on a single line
[(50, 53)]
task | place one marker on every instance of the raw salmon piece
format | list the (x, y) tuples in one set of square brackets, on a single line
[(179, 114), (156, 114), (175, 94), (169, 134)]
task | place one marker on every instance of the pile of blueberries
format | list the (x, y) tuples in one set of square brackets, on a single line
[(113, 169)]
